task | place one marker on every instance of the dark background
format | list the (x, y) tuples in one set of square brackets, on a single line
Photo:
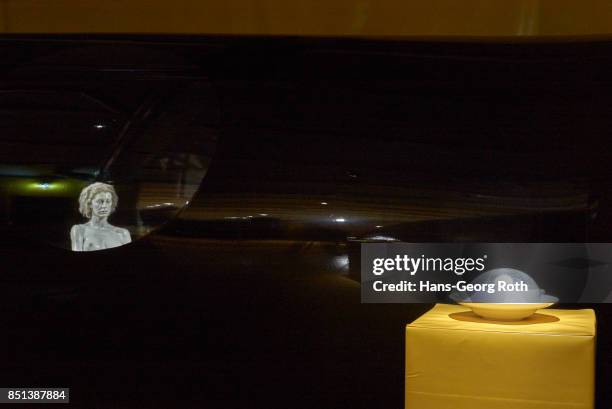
[(446, 142)]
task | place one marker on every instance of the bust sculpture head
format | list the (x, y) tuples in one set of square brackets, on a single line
[(98, 199)]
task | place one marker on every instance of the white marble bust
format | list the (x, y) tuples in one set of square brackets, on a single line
[(97, 202)]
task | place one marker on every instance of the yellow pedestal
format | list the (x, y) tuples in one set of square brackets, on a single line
[(456, 360)]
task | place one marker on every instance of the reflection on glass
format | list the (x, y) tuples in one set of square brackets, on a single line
[(161, 160), (97, 202), (149, 144)]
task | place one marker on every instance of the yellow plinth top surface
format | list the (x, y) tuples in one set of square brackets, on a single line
[(544, 322)]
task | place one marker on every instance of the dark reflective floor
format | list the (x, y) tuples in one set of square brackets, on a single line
[(188, 322)]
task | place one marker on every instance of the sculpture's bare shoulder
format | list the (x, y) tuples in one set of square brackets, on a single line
[(77, 237), (77, 229), (124, 234)]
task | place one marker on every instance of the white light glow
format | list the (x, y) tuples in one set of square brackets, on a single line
[(382, 238), (341, 262)]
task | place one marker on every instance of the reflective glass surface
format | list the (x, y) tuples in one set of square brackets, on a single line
[(147, 142)]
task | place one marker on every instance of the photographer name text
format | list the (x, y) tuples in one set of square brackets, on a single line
[(427, 286)]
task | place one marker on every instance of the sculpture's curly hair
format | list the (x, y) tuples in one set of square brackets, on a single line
[(88, 193)]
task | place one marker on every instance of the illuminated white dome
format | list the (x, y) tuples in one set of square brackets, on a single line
[(503, 285)]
